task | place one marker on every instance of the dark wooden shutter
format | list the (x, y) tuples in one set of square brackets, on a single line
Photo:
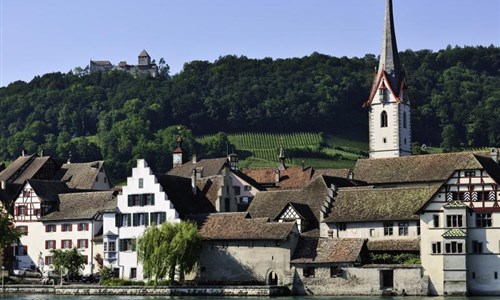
[(118, 220), (146, 219), (130, 200)]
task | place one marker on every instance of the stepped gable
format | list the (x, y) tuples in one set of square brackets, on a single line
[(328, 250), (180, 194), (82, 206), (48, 190), (79, 175), (415, 169), (269, 204), (362, 204), (238, 226), (205, 167), (394, 245)]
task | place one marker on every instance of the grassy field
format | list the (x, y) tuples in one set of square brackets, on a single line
[(313, 149)]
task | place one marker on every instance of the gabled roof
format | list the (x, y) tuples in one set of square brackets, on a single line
[(101, 62), (303, 210), (82, 206), (290, 178), (270, 204), (205, 167), (79, 175), (415, 168), (143, 53), (248, 180), (394, 245), (328, 250), (48, 190), (361, 204), (23, 168), (180, 193), (238, 226), (210, 187)]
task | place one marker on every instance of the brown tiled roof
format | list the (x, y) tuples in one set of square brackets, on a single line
[(210, 188), (248, 180), (490, 166), (79, 175), (82, 206), (416, 168), (290, 178), (180, 193), (28, 167), (342, 173), (270, 204), (205, 167), (328, 250), (48, 190), (394, 245), (237, 226), (361, 204)]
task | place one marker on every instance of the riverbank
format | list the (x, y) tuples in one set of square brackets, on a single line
[(257, 291)]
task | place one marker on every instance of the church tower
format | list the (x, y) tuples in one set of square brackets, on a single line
[(388, 103)]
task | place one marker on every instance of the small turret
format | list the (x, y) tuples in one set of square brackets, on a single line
[(177, 154)]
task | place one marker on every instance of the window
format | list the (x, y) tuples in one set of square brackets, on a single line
[(495, 275), (372, 232), (37, 212), (330, 233), (403, 228), (50, 244), (149, 199), (454, 221), (27, 193), (483, 220), (66, 227), (23, 229), (404, 120), (123, 220), (237, 190), (158, 218), (473, 275), (435, 220), (50, 228), (383, 119), (436, 248), (308, 271), (141, 183), (388, 228), (111, 246), (66, 244), (247, 188), (477, 247), (21, 250), (48, 260), (22, 210), (342, 226), (133, 273), (127, 244), (140, 219), (83, 226), (454, 247), (83, 243), (418, 227), (141, 200), (245, 200), (335, 271)]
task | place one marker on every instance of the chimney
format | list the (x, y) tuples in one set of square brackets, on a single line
[(41, 153), (277, 176), (194, 159), (22, 153), (494, 155), (69, 158), (4, 185), (193, 181)]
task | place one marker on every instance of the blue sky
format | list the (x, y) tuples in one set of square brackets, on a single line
[(38, 37)]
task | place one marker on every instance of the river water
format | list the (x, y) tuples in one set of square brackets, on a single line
[(50, 296)]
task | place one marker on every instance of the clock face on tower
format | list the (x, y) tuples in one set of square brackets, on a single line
[(177, 158)]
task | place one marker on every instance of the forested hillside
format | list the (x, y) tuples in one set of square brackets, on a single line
[(455, 96)]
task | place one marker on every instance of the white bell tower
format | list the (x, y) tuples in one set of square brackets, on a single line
[(388, 104)]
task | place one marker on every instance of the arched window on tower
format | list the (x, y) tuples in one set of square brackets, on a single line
[(383, 119), (404, 119)]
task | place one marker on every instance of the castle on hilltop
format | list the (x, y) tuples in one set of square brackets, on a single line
[(144, 65)]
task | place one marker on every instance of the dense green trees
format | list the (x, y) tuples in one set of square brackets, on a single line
[(168, 248), (69, 262), (454, 93)]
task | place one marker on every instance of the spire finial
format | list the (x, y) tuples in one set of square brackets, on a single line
[(389, 57)]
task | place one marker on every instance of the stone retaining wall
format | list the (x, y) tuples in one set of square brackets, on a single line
[(264, 291)]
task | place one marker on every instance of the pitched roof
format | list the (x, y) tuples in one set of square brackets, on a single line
[(180, 193), (79, 175), (210, 188), (82, 206), (101, 62), (341, 173), (48, 190), (205, 167), (361, 204), (23, 168), (328, 250), (290, 178), (143, 53), (237, 226), (394, 245), (415, 168)]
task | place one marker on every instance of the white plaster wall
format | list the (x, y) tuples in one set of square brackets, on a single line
[(363, 229), (102, 182)]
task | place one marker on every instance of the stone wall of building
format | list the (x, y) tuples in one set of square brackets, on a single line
[(365, 281)]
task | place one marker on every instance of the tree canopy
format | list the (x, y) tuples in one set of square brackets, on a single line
[(168, 248)]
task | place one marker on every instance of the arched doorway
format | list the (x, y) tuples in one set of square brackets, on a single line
[(272, 278)]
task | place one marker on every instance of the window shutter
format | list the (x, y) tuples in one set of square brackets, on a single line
[(86, 226), (141, 200), (46, 228), (146, 219), (129, 220), (17, 211), (46, 244), (118, 220), (70, 244), (46, 260), (70, 227), (120, 245), (25, 250), (62, 244), (152, 199), (86, 243), (136, 219), (163, 217), (130, 200)]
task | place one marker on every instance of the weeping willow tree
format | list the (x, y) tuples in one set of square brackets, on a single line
[(164, 249)]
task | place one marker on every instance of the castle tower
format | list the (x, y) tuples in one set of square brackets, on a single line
[(388, 103), (144, 58)]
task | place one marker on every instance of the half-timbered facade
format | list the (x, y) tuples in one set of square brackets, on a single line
[(460, 245)]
